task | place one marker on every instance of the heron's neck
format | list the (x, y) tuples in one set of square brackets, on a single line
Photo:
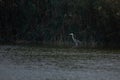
[(73, 37)]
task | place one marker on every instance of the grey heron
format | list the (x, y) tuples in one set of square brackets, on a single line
[(76, 41)]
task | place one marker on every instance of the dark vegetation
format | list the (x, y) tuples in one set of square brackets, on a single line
[(95, 22)]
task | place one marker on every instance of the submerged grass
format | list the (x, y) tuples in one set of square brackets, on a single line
[(37, 53), (60, 57)]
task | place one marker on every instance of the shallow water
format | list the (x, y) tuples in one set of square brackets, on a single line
[(35, 63)]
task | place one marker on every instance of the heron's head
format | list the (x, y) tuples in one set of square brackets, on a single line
[(71, 34)]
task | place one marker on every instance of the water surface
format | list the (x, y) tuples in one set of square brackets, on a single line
[(36, 63)]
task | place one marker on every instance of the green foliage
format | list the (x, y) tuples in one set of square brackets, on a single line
[(52, 20)]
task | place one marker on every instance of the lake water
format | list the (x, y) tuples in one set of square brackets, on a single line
[(36, 63)]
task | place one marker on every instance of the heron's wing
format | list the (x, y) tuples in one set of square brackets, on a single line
[(78, 41)]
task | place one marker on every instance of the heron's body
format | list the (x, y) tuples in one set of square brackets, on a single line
[(74, 40)]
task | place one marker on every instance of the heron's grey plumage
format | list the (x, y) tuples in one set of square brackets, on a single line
[(76, 41)]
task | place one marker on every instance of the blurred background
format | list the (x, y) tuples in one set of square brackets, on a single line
[(96, 23)]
